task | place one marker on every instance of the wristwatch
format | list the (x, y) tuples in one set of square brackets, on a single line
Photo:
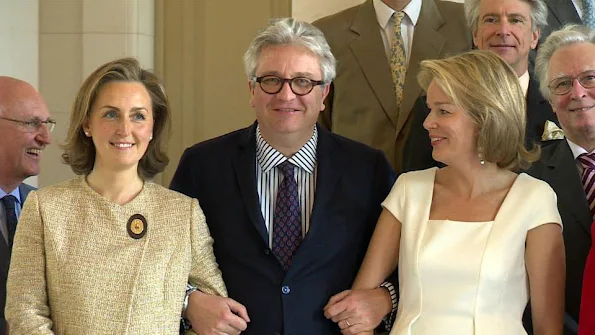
[(185, 322)]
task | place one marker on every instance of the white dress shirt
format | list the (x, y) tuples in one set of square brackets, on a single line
[(386, 25), (524, 81)]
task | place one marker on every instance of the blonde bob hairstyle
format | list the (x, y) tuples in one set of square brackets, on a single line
[(79, 150), (488, 90)]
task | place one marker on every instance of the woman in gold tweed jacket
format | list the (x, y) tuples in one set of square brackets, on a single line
[(110, 252)]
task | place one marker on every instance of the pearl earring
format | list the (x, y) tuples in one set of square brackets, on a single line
[(87, 134), (151, 138)]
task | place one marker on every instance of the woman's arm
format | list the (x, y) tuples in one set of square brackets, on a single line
[(544, 255), (27, 310), (204, 271), (383, 253)]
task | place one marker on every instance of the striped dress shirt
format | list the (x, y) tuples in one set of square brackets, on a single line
[(268, 178)]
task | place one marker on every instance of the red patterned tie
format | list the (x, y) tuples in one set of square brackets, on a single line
[(287, 219), (588, 178)]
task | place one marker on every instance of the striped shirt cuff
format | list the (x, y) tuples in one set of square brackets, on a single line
[(389, 319)]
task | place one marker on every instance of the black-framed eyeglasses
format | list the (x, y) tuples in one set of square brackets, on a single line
[(299, 86), (34, 124), (563, 85)]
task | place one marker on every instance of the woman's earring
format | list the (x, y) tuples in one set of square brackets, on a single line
[(151, 137), (87, 134), (481, 160)]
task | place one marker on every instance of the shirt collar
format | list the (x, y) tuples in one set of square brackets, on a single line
[(268, 157), (16, 193), (384, 12), (524, 81), (576, 149)]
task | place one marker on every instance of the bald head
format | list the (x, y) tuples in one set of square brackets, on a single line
[(14, 92), (21, 109)]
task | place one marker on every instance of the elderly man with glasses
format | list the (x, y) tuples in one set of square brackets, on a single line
[(565, 65), (25, 127), (291, 207)]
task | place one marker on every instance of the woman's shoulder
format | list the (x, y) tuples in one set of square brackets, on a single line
[(419, 174), (532, 184), (63, 189), (165, 194)]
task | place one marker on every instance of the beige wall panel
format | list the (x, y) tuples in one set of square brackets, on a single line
[(200, 44), (60, 17)]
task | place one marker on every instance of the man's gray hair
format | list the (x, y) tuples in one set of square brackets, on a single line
[(288, 31), (569, 34), (538, 13)]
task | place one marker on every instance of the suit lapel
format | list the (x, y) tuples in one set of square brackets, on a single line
[(327, 175), (244, 164), (368, 50), (328, 171), (24, 190), (566, 181), (563, 10), (538, 111), (427, 44)]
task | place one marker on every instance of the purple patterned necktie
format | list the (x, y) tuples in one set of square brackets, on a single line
[(287, 219), (588, 178), (9, 202)]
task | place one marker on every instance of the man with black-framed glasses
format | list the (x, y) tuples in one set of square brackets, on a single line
[(25, 127), (291, 207)]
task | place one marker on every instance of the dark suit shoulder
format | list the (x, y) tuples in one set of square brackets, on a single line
[(353, 147), (24, 189), (541, 168), (548, 151), (216, 144)]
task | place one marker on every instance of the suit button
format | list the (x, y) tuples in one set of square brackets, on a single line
[(285, 290), (267, 252)]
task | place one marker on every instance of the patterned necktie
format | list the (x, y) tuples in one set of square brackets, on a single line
[(588, 178), (589, 13), (9, 202), (398, 61), (287, 219)]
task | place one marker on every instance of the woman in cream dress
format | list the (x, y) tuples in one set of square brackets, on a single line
[(110, 252), (473, 240)]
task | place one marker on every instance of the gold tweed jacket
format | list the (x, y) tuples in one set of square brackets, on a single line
[(76, 270)]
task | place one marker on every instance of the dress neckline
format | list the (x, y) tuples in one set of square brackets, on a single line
[(518, 180)]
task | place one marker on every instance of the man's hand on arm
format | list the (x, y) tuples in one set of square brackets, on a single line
[(358, 311), (215, 315)]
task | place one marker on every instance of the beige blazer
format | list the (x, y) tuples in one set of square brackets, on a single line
[(76, 270), (362, 103)]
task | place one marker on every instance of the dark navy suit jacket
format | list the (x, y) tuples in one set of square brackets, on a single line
[(352, 181)]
